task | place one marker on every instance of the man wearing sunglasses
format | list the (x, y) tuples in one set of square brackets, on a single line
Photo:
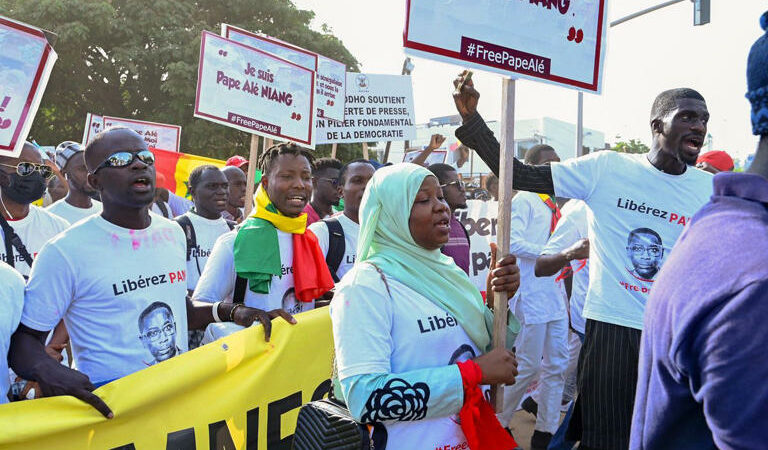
[(78, 203), (23, 181), (325, 190), (101, 274), (457, 246)]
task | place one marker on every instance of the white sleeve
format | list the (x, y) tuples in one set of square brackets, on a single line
[(50, 289), (217, 283), (578, 177), (519, 220), (321, 231), (566, 234), (15, 300), (178, 204), (361, 314)]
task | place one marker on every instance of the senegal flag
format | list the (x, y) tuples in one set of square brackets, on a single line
[(176, 167)]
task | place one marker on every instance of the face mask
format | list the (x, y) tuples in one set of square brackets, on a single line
[(25, 190)]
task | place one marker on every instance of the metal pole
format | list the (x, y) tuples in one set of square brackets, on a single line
[(506, 162), (580, 126), (644, 12), (580, 110)]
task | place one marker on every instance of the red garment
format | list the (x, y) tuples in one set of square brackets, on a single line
[(478, 421), (311, 277), (552, 205), (312, 215)]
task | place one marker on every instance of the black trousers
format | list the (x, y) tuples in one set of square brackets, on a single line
[(607, 378)]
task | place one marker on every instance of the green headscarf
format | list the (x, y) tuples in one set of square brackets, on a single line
[(385, 240)]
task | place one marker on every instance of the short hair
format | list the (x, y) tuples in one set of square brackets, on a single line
[(638, 231), (490, 179), (197, 173), (267, 160), (533, 155), (666, 102), (441, 170), (91, 147), (345, 167), (152, 308), (326, 163)]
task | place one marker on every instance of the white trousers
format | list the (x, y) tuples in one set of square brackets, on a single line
[(542, 352)]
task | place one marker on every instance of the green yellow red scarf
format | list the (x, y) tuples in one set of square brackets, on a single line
[(257, 251)]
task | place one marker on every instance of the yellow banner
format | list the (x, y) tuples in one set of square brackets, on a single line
[(236, 393)]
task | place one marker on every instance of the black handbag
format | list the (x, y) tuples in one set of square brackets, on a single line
[(327, 424)]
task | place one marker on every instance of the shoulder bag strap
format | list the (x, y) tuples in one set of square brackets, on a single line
[(12, 239), (336, 246)]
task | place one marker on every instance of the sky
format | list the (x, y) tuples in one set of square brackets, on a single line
[(644, 56)]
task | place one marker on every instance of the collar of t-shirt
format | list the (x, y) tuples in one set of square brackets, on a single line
[(747, 186)]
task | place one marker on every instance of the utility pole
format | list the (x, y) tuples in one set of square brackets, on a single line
[(701, 16)]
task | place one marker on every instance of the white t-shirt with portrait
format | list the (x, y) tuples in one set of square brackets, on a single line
[(74, 214), (351, 230), (34, 230), (207, 231), (121, 293), (571, 227), (637, 212), (378, 334), (11, 303), (218, 280)]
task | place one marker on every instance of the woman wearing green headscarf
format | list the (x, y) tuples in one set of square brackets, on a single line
[(412, 334)]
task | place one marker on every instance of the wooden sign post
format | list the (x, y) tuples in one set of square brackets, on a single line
[(506, 159), (333, 150), (365, 150), (250, 186)]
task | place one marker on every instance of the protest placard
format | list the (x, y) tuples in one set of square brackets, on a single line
[(254, 91), (561, 41), (437, 156), (158, 136), (378, 107), (94, 124), (480, 221), (26, 61), (331, 74)]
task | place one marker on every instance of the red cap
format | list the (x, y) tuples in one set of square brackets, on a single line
[(718, 159), (237, 161)]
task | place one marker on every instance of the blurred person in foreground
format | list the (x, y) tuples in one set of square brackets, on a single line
[(702, 375)]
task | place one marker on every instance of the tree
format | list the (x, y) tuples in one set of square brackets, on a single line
[(139, 59), (631, 146)]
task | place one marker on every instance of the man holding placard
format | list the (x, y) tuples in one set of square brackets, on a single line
[(658, 191)]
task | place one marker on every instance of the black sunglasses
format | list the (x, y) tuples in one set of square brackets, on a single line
[(458, 183), (26, 169), (333, 181), (123, 159)]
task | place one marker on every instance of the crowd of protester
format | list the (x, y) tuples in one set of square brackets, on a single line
[(116, 274)]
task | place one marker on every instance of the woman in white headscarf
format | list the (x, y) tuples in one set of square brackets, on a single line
[(412, 334)]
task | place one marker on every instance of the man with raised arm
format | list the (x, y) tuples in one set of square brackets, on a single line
[(659, 191)]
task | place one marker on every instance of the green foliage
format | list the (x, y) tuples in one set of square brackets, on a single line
[(631, 146), (139, 59)]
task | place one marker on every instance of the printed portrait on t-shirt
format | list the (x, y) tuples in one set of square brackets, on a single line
[(645, 251), (157, 331)]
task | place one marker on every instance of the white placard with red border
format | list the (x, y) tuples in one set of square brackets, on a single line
[(560, 42), (254, 91), (331, 74), (378, 108), (26, 61), (157, 135), (436, 157)]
